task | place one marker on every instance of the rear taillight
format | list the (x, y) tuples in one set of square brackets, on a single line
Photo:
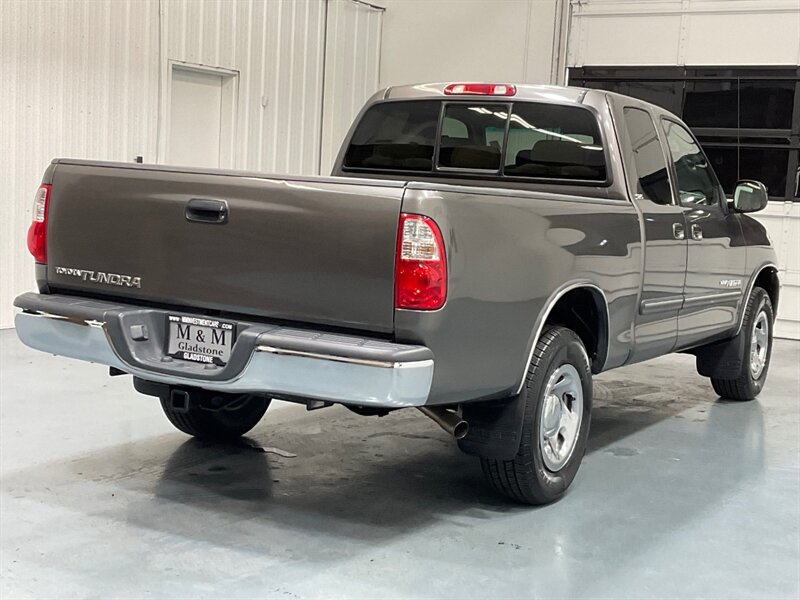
[(420, 277), (37, 232)]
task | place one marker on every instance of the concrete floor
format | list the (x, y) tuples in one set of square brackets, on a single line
[(680, 494)]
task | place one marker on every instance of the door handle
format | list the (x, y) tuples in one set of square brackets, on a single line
[(678, 232), (202, 210), (697, 232)]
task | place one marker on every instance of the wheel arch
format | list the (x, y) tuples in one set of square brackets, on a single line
[(765, 277), (582, 307)]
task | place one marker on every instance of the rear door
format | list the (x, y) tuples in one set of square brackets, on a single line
[(305, 249), (716, 248), (665, 250)]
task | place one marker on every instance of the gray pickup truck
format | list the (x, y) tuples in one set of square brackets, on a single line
[(479, 252)]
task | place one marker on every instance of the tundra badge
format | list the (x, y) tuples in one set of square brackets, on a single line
[(101, 277)]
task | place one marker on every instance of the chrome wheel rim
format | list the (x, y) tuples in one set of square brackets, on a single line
[(759, 345), (562, 413)]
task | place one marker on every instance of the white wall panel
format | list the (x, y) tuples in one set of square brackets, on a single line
[(77, 79), (763, 33), (352, 69), (684, 32), (639, 39), (468, 40)]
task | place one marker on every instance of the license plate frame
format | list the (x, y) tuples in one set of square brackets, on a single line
[(213, 345)]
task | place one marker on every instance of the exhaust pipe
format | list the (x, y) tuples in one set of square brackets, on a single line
[(447, 419)]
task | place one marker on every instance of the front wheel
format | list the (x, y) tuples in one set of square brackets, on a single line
[(558, 403), (756, 337)]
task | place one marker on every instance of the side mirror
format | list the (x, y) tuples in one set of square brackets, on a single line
[(749, 196)]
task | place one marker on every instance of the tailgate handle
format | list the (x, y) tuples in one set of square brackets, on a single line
[(202, 210)]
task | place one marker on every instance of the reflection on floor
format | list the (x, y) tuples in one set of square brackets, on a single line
[(680, 494)]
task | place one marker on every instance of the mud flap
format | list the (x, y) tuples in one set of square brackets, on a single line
[(721, 360), (495, 428)]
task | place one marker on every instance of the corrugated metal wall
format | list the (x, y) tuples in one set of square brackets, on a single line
[(89, 79), (277, 48), (77, 79), (352, 69)]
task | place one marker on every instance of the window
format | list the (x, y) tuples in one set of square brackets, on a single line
[(395, 136), (554, 142), (733, 103), (795, 172), (746, 118), (696, 182), (712, 103), (485, 125), (651, 167), (538, 140), (767, 165), (454, 128)]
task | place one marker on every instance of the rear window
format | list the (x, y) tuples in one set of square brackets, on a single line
[(554, 142), (472, 136), (518, 140), (395, 136)]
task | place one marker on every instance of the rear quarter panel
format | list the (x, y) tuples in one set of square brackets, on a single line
[(508, 254)]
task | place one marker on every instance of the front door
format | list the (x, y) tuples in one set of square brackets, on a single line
[(716, 250)]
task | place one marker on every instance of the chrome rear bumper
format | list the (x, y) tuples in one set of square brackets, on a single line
[(266, 358)]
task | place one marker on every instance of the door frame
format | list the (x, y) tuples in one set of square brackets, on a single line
[(229, 106)]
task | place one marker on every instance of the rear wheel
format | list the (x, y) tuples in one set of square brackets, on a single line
[(756, 336), (558, 403), (217, 417)]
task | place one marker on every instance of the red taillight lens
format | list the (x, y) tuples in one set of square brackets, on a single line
[(420, 273), (480, 89), (37, 232)]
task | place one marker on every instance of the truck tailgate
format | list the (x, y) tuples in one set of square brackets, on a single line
[(301, 249)]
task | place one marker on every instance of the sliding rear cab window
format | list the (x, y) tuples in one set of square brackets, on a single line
[(522, 140), (472, 136)]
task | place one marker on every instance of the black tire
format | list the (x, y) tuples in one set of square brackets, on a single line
[(746, 386), (241, 413), (526, 478)]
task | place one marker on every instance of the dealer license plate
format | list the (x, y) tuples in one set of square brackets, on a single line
[(199, 339)]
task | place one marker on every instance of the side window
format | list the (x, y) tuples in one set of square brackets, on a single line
[(651, 167), (695, 179)]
